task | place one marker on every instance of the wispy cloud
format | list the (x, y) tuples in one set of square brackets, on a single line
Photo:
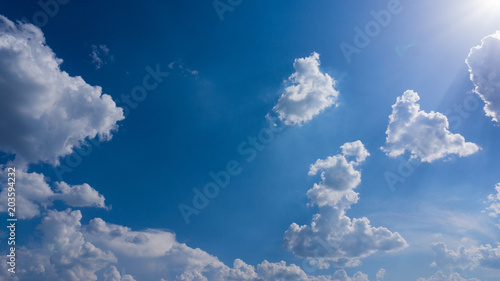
[(100, 56)]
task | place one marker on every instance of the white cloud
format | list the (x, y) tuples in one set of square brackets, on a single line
[(332, 237), (467, 257), (267, 271), (380, 274), (112, 274), (307, 92), (484, 68), (280, 271), (338, 176), (425, 135), (440, 276), (70, 251), (355, 149), (79, 195), (122, 240), (494, 201), (34, 194), (64, 253), (341, 275), (46, 112)]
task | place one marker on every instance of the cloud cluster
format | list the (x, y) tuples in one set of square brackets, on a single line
[(266, 271), (424, 135), (64, 253), (334, 238), (112, 274), (467, 257), (34, 194), (484, 68), (72, 251), (45, 112), (440, 276), (307, 92)]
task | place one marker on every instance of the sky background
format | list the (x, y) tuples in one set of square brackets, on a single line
[(225, 76)]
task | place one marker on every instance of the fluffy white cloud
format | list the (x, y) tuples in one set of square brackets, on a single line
[(45, 112), (112, 274), (484, 68), (64, 253), (440, 276), (307, 92), (494, 201), (338, 176), (341, 275), (71, 251), (333, 237), (467, 257), (79, 195), (425, 135), (267, 271), (34, 194)]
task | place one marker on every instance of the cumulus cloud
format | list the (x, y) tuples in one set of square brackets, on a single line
[(64, 253), (267, 271), (307, 92), (494, 201), (45, 113), (72, 251), (34, 194), (484, 68), (79, 195), (338, 176), (424, 135), (334, 238), (112, 274), (467, 257), (440, 276)]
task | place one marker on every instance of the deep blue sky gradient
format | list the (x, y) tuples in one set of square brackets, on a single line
[(191, 125)]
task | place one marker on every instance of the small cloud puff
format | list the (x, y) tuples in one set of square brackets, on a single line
[(307, 92)]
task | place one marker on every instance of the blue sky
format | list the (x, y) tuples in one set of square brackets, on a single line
[(233, 74)]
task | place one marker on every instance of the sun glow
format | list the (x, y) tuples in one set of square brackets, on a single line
[(489, 5)]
